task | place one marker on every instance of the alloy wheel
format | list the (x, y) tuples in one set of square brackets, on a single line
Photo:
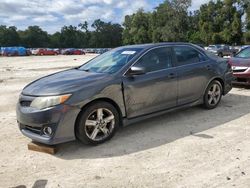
[(99, 124), (214, 94)]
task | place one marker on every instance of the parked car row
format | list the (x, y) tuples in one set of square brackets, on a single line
[(97, 50), (21, 51), (223, 50), (239, 60)]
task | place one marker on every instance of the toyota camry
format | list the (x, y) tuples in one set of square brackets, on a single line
[(121, 87)]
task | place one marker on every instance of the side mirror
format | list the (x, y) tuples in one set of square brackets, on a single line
[(136, 71)]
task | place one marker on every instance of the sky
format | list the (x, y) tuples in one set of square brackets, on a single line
[(51, 15)]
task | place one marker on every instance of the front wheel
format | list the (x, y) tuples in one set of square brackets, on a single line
[(213, 95), (97, 123)]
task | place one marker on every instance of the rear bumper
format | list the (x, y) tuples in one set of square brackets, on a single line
[(228, 83), (60, 118)]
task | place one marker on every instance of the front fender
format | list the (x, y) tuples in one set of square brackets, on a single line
[(112, 92)]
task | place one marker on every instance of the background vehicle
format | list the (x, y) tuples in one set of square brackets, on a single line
[(90, 102), (44, 51), (243, 47), (72, 51), (241, 66), (14, 51), (222, 50)]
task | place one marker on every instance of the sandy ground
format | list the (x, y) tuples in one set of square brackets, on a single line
[(188, 148)]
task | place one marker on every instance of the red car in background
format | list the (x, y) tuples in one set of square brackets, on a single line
[(78, 52), (241, 67), (73, 51), (44, 51)]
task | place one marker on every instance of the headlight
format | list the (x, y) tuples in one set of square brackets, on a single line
[(45, 102)]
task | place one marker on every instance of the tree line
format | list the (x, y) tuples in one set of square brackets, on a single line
[(221, 21), (103, 35)]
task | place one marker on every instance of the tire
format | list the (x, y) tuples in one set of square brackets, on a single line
[(97, 131), (212, 95), (220, 54)]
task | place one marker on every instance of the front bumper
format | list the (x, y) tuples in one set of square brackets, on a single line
[(242, 78), (61, 119)]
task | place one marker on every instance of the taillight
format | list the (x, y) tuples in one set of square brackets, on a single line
[(229, 65)]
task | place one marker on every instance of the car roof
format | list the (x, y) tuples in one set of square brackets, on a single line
[(151, 45)]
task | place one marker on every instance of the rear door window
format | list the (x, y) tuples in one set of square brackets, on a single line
[(186, 55)]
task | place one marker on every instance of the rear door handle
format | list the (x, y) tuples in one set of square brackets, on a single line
[(171, 75), (208, 67)]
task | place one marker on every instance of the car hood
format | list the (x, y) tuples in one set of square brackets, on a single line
[(63, 82), (239, 62)]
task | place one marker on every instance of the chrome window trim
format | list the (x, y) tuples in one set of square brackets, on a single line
[(168, 46)]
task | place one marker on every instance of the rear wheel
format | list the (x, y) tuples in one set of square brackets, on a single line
[(97, 123), (213, 95)]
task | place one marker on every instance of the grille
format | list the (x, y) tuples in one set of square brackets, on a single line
[(241, 79), (241, 70), (25, 103), (36, 130)]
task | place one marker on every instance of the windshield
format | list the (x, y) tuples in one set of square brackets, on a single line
[(111, 61), (244, 53)]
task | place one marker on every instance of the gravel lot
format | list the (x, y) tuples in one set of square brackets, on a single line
[(188, 148)]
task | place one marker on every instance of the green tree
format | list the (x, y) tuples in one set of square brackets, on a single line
[(127, 37), (86, 34), (34, 36), (193, 34), (106, 35), (9, 36), (137, 28), (170, 21), (70, 36), (236, 29), (221, 21), (54, 40)]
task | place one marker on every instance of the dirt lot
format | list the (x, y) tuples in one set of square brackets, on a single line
[(188, 148)]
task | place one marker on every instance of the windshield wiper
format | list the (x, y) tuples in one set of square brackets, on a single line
[(79, 68), (86, 70)]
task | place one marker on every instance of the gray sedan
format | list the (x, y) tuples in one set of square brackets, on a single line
[(120, 87)]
